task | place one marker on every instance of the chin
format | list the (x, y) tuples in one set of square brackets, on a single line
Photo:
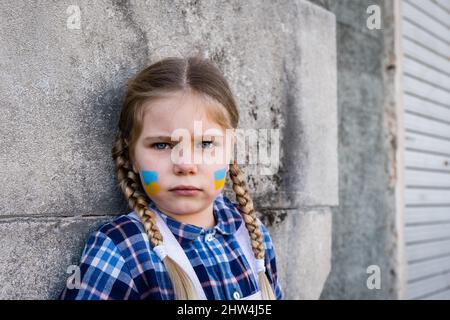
[(187, 205)]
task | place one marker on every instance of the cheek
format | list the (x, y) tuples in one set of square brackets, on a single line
[(219, 178), (150, 181)]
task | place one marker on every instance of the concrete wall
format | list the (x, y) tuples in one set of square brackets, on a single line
[(61, 92), (366, 225)]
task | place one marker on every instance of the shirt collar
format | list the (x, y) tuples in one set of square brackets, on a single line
[(226, 213)]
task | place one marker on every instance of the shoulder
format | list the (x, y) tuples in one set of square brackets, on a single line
[(122, 228), (113, 261), (128, 234), (126, 237), (119, 237), (103, 270)]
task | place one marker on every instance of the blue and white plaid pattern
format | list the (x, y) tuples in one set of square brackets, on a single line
[(118, 262)]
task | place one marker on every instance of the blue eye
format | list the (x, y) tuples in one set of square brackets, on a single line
[(207, 144), (157, 145)]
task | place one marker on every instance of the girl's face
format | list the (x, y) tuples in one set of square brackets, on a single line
[(155, 157)]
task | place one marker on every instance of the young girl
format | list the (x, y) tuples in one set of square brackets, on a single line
[(184, 239)]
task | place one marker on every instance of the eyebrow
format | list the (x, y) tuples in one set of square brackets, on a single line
[(169, 138), (157, 138)]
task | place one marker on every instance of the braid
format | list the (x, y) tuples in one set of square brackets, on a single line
[(247, 210), (131, 187), (248, 213)]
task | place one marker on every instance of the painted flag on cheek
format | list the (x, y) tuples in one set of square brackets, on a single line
[(219, 178), (151, 185)]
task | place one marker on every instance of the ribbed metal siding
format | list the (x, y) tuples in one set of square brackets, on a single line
[(426, 81)]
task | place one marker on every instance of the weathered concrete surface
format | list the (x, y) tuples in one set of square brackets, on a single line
[(36, 253), (62, 90), (302, 244), (364, 227), (64, 86)]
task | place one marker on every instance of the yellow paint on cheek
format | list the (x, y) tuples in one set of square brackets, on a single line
[(150, 179), (152, 188), (219, 183), (219, 178)]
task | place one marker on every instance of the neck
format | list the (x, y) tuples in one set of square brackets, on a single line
[(204, 219)]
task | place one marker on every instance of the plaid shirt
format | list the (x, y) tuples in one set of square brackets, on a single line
[(119, 263)]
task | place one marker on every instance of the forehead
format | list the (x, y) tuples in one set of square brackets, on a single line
[(178, 110)]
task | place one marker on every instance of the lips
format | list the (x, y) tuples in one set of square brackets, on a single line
[(186, 191), (184, 187)]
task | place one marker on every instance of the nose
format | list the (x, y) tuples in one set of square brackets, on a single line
[(185, 164), (185, 169)]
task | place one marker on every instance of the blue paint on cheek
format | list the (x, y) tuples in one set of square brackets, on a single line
[(220, 174), (219, 178), (151, 185), (149, 176)]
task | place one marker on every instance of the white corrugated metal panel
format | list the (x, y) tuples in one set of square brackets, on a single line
[(427, 179), (429, 285), (425, 54), (428, 268), (426, 108), (424, 215), (424, 161), (426, 82), (418, 124), (423, 89), (439, 295), (426, 74), (428, 250), (444, 4), (427, 233)]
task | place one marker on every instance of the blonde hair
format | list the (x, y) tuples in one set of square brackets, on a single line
[(166, 76)]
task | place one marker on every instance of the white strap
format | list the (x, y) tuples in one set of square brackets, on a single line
[(161, 251), (243, 238), (176, 252), (173, 249)]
